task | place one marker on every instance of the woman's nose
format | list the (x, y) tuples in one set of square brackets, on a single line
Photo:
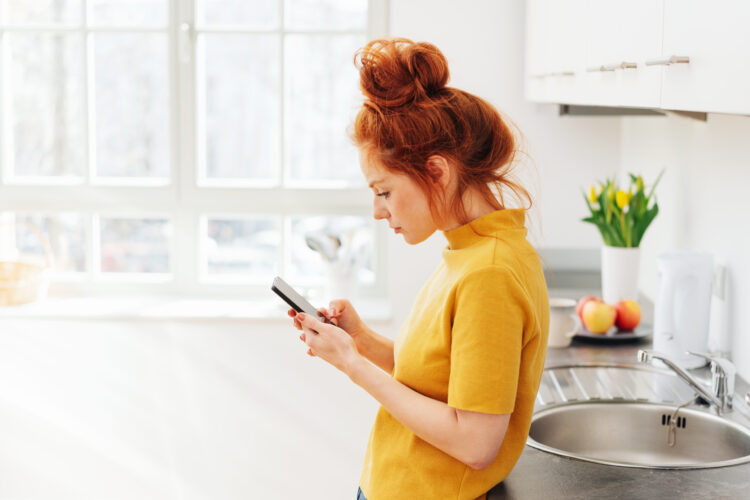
[(379, 211)]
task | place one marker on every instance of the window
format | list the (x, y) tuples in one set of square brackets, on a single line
[(185, 145)]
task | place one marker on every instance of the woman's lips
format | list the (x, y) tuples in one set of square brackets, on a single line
[(396, 229)]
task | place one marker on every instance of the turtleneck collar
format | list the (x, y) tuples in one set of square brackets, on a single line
[(486, 225)]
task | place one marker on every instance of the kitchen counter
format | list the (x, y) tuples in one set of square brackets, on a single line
[(541, 475)]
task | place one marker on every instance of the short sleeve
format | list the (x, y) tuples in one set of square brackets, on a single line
[(490, 311)]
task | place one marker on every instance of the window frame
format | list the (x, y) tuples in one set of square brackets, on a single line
[(180, 199)]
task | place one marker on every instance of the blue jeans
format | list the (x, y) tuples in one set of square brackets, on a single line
[(360, 495)]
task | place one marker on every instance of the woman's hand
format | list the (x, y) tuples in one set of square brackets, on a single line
[(341, 313), (329, 342)]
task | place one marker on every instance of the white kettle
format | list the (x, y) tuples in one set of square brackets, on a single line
[(683, 305)]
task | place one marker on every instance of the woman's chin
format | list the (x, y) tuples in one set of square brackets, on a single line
[(412, 239)]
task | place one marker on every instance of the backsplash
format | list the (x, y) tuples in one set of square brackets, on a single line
[(703, 201)]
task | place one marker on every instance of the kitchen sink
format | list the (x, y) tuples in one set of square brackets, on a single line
[(640, 434)]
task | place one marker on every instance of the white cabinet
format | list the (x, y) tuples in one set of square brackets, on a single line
[(715, 36), (598, 78), (638, 36), (620, 36), (555, 50), (630, 53)]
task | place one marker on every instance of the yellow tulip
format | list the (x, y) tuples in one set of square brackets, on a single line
[(622, 199), (610, 193), (592, 195), (639, 183)]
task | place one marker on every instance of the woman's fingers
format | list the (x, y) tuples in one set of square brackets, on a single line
[(303, 338), (293, 314), (322, 312), (336, 307), (308, 322)]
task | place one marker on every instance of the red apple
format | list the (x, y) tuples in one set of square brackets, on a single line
[(628, 314), (598, 317), (582, 302)]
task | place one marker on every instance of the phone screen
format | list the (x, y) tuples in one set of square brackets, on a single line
[(294, 299)]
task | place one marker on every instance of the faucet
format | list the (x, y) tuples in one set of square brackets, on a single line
[(722, 377)]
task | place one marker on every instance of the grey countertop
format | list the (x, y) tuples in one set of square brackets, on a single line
[(541, 475)]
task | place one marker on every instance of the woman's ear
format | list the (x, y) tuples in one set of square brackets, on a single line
[(440, 171)]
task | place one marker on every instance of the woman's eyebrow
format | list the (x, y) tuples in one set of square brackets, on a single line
[(377, 181)]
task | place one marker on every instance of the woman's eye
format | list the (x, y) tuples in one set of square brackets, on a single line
[(385, 194)]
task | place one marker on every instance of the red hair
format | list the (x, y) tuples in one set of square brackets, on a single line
[(409, 114)]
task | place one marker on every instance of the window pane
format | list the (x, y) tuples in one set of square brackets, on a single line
[(325, 14), (129, 12), (242, 247), (250, 14), (45, 90), (322, 95), (43, 11), (130, 245), (132, 105), (240, 93), (341, 241), (65, 233)]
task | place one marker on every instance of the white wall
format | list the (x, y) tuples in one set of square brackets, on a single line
[(703, 201), (483, 41)]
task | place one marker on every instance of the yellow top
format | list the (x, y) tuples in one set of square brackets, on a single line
[(476, 339)]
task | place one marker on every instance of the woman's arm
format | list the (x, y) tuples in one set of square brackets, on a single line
[(376, 348), (470, 437), (370, 344)]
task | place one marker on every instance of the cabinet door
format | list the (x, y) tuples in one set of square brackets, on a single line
[(566, 32), (638, 36), (715, 36), (555, 50), (598, 79), (537, 46)]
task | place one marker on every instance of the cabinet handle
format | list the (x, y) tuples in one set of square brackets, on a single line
[(559, 73), (594, 69), (627, 64), (667, 62)]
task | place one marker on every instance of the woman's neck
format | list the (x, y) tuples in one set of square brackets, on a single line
[(476, 206)]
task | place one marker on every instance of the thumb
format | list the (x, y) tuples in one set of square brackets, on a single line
[(308, 321), (336, 307)]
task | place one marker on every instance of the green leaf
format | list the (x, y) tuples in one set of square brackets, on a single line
[(648, 198), (642, 224)]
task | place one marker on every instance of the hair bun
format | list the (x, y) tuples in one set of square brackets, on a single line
[(396, 71)]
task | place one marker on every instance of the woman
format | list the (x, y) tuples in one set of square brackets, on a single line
[(457, 386)]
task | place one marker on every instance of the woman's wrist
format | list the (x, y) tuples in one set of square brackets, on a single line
[(360, 335), (354, 366)]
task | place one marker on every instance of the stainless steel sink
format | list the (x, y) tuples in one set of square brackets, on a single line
[(638, 434)]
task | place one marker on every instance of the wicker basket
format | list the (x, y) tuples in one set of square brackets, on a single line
[(21, 281)]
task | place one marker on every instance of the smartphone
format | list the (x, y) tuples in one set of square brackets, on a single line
[(294, 299)]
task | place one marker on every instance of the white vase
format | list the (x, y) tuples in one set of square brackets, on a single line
[(620, 273)]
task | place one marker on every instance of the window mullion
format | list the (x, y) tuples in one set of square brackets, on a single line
[(185, 238), (3, 102), (282, 98)]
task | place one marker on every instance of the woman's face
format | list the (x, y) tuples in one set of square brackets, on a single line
[(400, 201)]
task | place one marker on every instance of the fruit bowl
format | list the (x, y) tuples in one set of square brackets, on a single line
[(614, 335), (598, 317)]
